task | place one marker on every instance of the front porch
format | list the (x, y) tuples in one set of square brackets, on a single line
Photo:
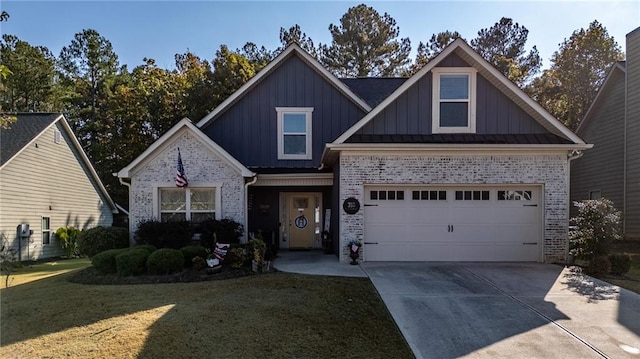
[(315, 262)]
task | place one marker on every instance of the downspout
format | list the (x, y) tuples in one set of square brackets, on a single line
[(128, 185), (246, 205), (624, 153), (573, 155)]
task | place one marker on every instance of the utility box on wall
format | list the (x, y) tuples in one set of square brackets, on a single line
[(23, 230)]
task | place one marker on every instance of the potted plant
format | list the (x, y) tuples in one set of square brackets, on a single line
[(354, 246), (258, 248)]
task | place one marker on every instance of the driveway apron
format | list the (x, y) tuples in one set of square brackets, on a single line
[(507, 310)]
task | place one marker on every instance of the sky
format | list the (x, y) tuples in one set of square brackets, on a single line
[(161, 29)]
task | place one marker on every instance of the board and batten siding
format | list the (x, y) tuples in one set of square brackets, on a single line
[(48, 179), (248, 129), (410, 113), (632, 215), (602, 167)]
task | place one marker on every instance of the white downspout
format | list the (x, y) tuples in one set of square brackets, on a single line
[(128, 185), (246, 206), (573, 155)]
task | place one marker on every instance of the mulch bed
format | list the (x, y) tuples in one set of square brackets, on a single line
[(90, 275)]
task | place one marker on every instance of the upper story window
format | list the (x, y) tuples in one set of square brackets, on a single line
[(294, 133), (454, 100)]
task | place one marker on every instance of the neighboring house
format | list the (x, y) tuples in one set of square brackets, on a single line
[(46, 182), (455, 163), (612, 123)]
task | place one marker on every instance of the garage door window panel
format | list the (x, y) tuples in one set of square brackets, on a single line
[(505, 195), (386, 195), (472, 195)]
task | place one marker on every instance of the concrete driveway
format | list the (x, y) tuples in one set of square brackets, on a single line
[(507, 310)]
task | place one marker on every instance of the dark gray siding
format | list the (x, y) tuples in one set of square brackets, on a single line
[(632, 214), (248, 130), (602, 167), (410, 113)]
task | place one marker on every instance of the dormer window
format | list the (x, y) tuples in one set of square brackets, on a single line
[(454, 100), (294, 133)]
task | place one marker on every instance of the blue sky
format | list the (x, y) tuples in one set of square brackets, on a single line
[(160, 29)]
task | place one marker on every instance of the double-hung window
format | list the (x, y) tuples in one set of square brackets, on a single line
[(454, 100), (46, 230), (294, 133), (190, 204)]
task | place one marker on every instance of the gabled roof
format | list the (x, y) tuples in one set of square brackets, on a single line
[(293, 49), (462, 49), (374, 89), (28, 127), (23, 131), (606, 85), (184, 123)]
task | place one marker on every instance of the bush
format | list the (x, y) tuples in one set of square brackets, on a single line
[(105, 262), (598, 266), (223, 231), (235, 257), (164, 234), (190, 252), (620, 263), (67, 237), (596, 227), (148, 247), (99, 239), (198, 263), (132, 261), (165, 261)]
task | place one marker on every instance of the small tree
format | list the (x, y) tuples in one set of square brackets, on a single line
[(597, 227), (67, 237), (8, 261)]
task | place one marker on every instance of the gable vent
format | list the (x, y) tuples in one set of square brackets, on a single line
[(56, 136)]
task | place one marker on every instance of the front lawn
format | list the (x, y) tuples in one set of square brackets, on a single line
[(276, 315)]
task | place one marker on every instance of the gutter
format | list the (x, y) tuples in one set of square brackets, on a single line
[(246, 205)]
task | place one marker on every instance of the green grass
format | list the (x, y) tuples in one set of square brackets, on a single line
[(631, 280), (277, 315), (31, 272)]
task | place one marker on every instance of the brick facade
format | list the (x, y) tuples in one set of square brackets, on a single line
[(549, 170), (203, 167)]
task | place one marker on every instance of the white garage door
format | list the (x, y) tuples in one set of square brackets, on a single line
[(452, 223)]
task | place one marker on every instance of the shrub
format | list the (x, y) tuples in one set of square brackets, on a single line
[(148, 247), (598, 266), (99, 239), (256, 249), (132, 261), (190, 252), (105, 262), (165, 261), (620, 263), (235, 257), (596, 227), (67, 237), (198, 263), (223, 231), (164, 234)]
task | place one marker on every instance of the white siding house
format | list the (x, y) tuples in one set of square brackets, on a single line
[(47, 182)]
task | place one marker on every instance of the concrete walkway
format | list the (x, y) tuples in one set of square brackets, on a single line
[(494, 310)]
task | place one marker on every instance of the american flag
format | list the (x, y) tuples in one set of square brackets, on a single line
[(181, 179)]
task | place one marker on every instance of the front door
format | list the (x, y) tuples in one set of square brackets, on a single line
[(302, 221)]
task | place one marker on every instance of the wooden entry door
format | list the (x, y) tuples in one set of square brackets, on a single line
[(302, 209)]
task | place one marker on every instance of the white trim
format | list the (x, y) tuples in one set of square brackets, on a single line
[(470, 101), (308, 112), (271, 66), (185, 123), (295, 179), (515, 93)]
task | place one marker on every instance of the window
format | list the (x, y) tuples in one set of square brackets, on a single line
[(386, 195), (595, 194), (191, 204), (429, 195), (472, 195), (46, 230), (454, 100), (294, 133), (514, 195)]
